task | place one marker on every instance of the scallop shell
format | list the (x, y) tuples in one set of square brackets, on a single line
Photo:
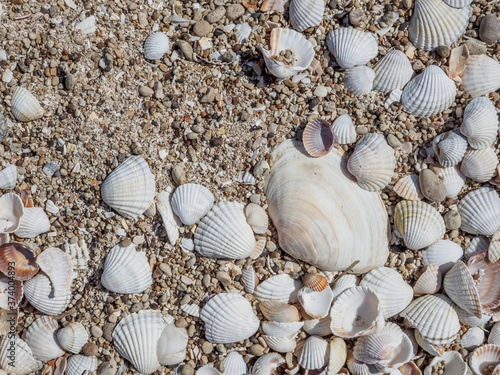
[(450, 148), (8, 177), (73, 337), (359, 368), (11, 211), (435, 318), (306, 13), (434, 24), (479, 165), (281, 344), (280, 288), (130, 188), (260, 245), (458, 3), (453, 364), (279, 312), (81, 365), (343, 128), (282, 329), (337, 355), (11, 293), (234, 364), (318, 138), (33, 223), (433, 350), (419, 223), (314, 353), (359, 80), (126, 270), (191, 202), (480, 123), (172, 345), (25, 362), (476, 245), (316, 303), (429, 93), (471, 320), (249, 279), (87, 26), (453, 180), (480, 212), (40, 295), (318, 327), (58, 266), (483, 357), (25, 266), (224, 233), (344, 283), (408, 188), (457, 62), (351, 47), (41, 338), (25, 107), (487, 277), (481, 75), (372, 163), (444, 254), (460, 287), (392, 72), (494, 336), (171, 222), (257, 218), (207, 370), (473, 338), (429, 281), (228, 318), (156, 45), (267, 363)]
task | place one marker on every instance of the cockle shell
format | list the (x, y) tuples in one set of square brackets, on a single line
[(494, 336), (207, 370), (471, 320), (316, 301), (476, 245), (449, 147), (126, 270), (281, 344), (453, 364), (33, 223), (267, 363), (39, 293), (81, 365), (279, 312), (79, 253), (481, 75), (494, 247), (359, 368), (314, 353), (8, 177), (430, 92), (429, 281), (11, 293), (22, 257), (392, 72), (434, 24), (41, 338), (172, 345), (453, 180), (458, 3), (318, 138), (260, 245), (58, 266), (25, 362), (480, 211), (408, 188), (444, 254), (282, 329), (460, 287), (487, 277), (483, 357), (337, 355), (171, 222), (257, 218), (430, 348), (156, 45), (479, 165), (304, 193), (11, 211), (351, 47), (480, 124), (228, 318), (343, 128), (249, 279), (473, 338), (318, 327), (306, 13), (359, 79), (234, 364), (345, 282), (191, 202), (279, 288), (25, 107), (87, 26), (73, 337)]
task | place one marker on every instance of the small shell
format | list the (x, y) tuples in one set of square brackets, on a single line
[(351, 47), (279, 312), (344, 283), (22, 257), (11, 211), (267, 363), (480, 211), (25, 107), (191, 202), (41, 338), (171, 222), (11, 293), (81, 365), (282, 329), (8, 177), (453, 364), (487, 277), (87, 26), (280, 288), (408, 188), (318, 138), (429, 93), (273, 5), (473, 338), (172, 345), (39, 293), (24, 363), (314, 353), (33, 223), (429, 281), (453, 180), (242, 32), (494, 247), (156, 45), (58, 266), (79, 253), (281, 344), (249, 279), (337, 355), (306, 13), (479, 165), (460, 287), (450, 148), (444, 254), (359, 80), (392, 72), (234, 364), (483, 357), (481, 75), (257, 218), (318, 327), (471, 320), (260, 245), (73, 337), (316, 303), (457, 62), (343, 128), (207, 370), (359, 368), (480, 124), (494, 336), (410, 368)]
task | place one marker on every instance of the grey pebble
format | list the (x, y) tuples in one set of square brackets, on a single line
[(489, 31), (207, 347), (257, 350), (432, 186), (209, 97), (69, 81), (224, 278), (201, 28), (166, 269), (393, 141), (186, 49), (179, 174), (96, 331), (234, 11), (136, 307), (475, 48), (216, 14), (146, 91), (357, 17), (443, 51), (90, 349), (452, 219), (255, 198)]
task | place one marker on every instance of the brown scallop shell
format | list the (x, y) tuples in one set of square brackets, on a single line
[(487, 276), (318, 138), (18, 260), (316, 282), (279, 312)]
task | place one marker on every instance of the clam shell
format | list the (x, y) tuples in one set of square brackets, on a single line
[(228, 318), (207, 370), (450, 148), (224, 233), (337, 355), (282, 329), (483, 357), (281, 344), (473, 338), (343, 128), (25, 266), (314, 353), (480, 212), (156, 45), (81, 365), (191, 202), (408, 188), (279, 312), (249, 279), (257, 218), (453, 181), (318, 327), (487, 277), (494, 336), (33, 223), (434, 24), (444, 254), (41, 338), (40, 295), (11, 293), (267, 363), (481, 75), (429, 93), (306, 13), (372, 163), (458, 3), (25, 107), (87, 26), (419, 223), (392, 72), (453, 364), (433, 350), (316, 303), (469, 319), (318, 138), (480, 123), (126, 270), (11, 211), (429, 281), (359, 368), (171, 222), (351, 47), (8, 177), (460, 287), (479, 165), (172, 345), (344, 283), (359, 80), (73, 337), (58, 266), (280, 288), (25, 363), (234, 364)]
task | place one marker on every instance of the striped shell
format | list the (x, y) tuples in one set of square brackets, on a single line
[(458, 3), (8, 177), (234, 364), (257, 218), (81, 365), (306, 13), (444, 254), (314, 353), (318, 327), (471, 320), (249, 279), (480, 124), (171, 222), (281, 344), (279, 312), (479, 165), (191, 202), (73, 337), (40, 295), (318, 138), (281, 329), (408, 188), (25, 107), (25, 362), (461, 288), (41, 338), (429, 281), (351, 47), (359, 80), (279, 288), (483, 357), (343, 128), (392, 72), (481, 75), (22, 257), (33, 223), (488, 286), (453, 180), (480, 212), (156, 46), (473, 338), (449, 147), (58, 266)]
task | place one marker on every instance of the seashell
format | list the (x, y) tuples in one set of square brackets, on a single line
[(280, 288), (33, 223), (156, 45), (419, 223), (228, 318), (471, 320), (433, 350), (410, 368), (25, 362), (280, 344), (479, 165), (126, 270), (460, 287), (11, 211), (40, 295), (73, 337), (79, 253), (318, 138), (480, 123), (494, 247), (8, 177), (318, 327), (314, 353), (453, 364), (191, 202), (434, 317), (315, 282), (394, 97), (372, 163), (130, 188), (316, 303), (151, 211), (392, 72), (242, 32), (343, 129), (171, 222), (87, 26), (356, 312), (344, 283), (25, 266), (249, 279), (282, 329), (476, 245), (444, 254), (359, 80), (337, 355), (434, 24), (351, 47), (58, 266), (453, 181), (457, 62), (430, 92), (234, 364), (392, 291), (450, 148), (494, 336), (11, 292), (267, 363), (284, 40), (408, 188), (458, 3), (473, 338), (81, 365), (480, 212), (257, 218), (41, 338), (172, 345), (25, 107), (483, 357), (279, 312), (273, 5), (260, 245), (429, 281), (486, 274), (305, 229), (191, 309), (481, 75), (306, 13), (224, 233), (359, 368), (207, 370)]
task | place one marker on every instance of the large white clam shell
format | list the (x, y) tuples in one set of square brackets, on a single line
[(25, 107), (156, 46), (479, 165), (480, 124), (351, 47), (282, 329), (58, 266), (359, 80), (453, 180), (171, 222), (130, 188), (39, 293), (33, 223), (172, 345), (191, 202), (318, 327), (234, 364), (302, 202), (24, 362), (444, 254), (41, 338), (453, 364), (392, 72), (306, 13), (281, 288), (81, 365), (473, 338), (449, 147), (11, 211), (429, 281), (481, 75), (460, 287), (483, 357), (408, 188), (73, 337), (429, 93), (343, 128), (480, 211), (228, 318), (314, 353), (8, 177)]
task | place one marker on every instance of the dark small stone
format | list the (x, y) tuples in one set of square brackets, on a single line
[(216, 142), (90, 349), (218, 32)]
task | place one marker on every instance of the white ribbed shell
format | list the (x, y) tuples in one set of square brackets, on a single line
[(458, 3), (471, 320), (408, 187), (191, 202), (460, 287), (314, 353), (473, 338), (481, 75), (483, 357), (25, 107), (171, 222), (479, 165), (443, 253), (39, 293), (234, 364), (306, 13), (318, 327), (494, 336), (453, 180), (351, 47), (25, 363), (41, 338), (281, 344), (81, 365), (8, 177), (359, 80), (281, 288), (480, 124), (343, 128), (453, 364), (392, 72), (257, 218), (156, 46), (449, 147), (33, 223), (73, 337), (58, 266), (429, 281), (480, 212), (282, 329)]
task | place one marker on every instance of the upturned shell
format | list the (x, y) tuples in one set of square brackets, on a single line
[(279, 288), (22, 257), (234, 364), (444, 254), (316, 303), (171, 222), (408, 188), (481, 75), (460, 287), (11, 211), (343, 128), (279, 312), (81, 365), (457, 62), (25, 362), (487, 277), (483, 357), (306, 13), (449, 147), (191, 202), (257, 218), (392, 72), (281, 329), (228, 318), (41, 338), (281, 344), (33, 223), (267, 363), (479, 165), (429, 281), (8, 177), (172, 345), (156, 45), (473, 338), (318, 138), (73, 337), (314, 353), (453, 364), (25, 107), (351, 47), (453, 180), (480, 124), (58, 266), (40, 295), (480, 211)]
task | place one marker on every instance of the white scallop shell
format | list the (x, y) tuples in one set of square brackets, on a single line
[(257, 218), (351, 47), (191, 309), (473, 338), (435, 24), (267, 363), (444, 254), (408, 187), (434, 350), (25, 362), (453, 364), (458, 3), (393, 71), (207, 370), (249, 279), (449, 147), (73, 337), (343, 128), (41, 338), (234, 364), (191, 202), (306, 13), (280, 288), (359, 368), (359, 79), (429, 281), (314, 353), (316, 303), (225, 233), (8, 177), (58, 266), (156, 45), (429, 93), (479, 165), (480, 123), (343, 283), (171, 222), (471, 320), (481, 75), (33, 223), (126, 270), (480, 212), (281, 344), (11, 212), (81, 365), (318, 327), (460, 287), (494, 336), (337, 355), (453, 180), (228, 318), (282, 329), (87, 26), (25, 107), (130, 188), (39, 293), (242, 32), (172, 345), (483, 357)]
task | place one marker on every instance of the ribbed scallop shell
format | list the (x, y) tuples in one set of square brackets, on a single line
[(471, 320), (480, 124), (453, 180), (306, 13), (359, 368), (81, 365), (73, 337), (483, 357), (429, 281), (40, 295), (392, 291), (372, 162), (359, 80), (314, 353), (453, 364), (494, 247), (8, 177), (480, 212), (257, 218), (126, 270), (318, 327), (460, 287), (11, 211), (408, 187), (344, 283), (435, 24), (434, 350), (458, 3), (444, 254), (280, 288), (473, 338), (25, 107), (171, 222), (172, 345), (279, 312), (282, 329), (494, 336), (351, 47), (23, 259), (343, 128), (479, 165), (267, 363), (228, 318), (392, 72), (249, 279), (481, 75), (24, 362), (435, 318), (476, 245), (156, 46), (207, 370), (281, 344), (419, 223), (449, 147), (191, 202), (58, 266), (33, 223), (316, 303), (318, 138), (429, 93), (337, 355), (11, 293), (487, 275), (41, 338), (234, 364)]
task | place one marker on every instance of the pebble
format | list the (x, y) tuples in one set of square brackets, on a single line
[(443, 51), (357, 17), (234, 11), (216, 15), (181, 323), (90, 349), (201, 28), (257, 350), (69, 81), (452, 220), (432, 186), (179, 174), (207, 347), (209, 97), (108, 331), (106, 369), (224, 278), (475, 48), (489, 31), (96, 331), (5, 125), (321, 91), (187, 370), (146, 91), (260, 168), (186, 49), (206, 280), (393, 141)]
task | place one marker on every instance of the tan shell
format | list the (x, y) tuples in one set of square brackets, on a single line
[(429, 281)]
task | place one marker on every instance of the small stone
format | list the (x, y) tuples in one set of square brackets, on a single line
[(158, 89), (69, 81), (207, 347), (432, 186), (452, 220), (186, 49), (216, 14), (5, 125), (393, 141), (443, 51), (418, 65), (96, 331), (187, 370), (179, 174), (260, 168), (108, 331), (357, 17), (209, 97), (206, 281), (408, 4), (50, 168), (321, 91), (257, 350), (146, 91), (166, 269), (255, 198), (489, 31), (201, 28), (90, 349), (181, 323), (126, 242), (475, 48), (224, 278), (234, 11), (106, 369), (333, 4)]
